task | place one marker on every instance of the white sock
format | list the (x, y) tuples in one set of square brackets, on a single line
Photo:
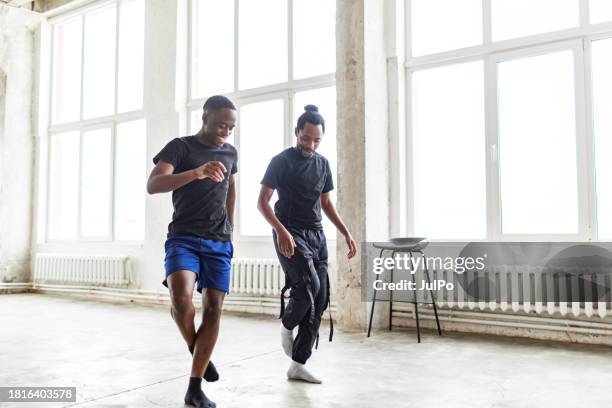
[(286, 340), (298, 371)]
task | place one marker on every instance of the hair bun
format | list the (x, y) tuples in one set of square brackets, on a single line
[(311, 108)]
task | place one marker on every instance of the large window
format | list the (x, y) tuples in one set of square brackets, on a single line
[(602, 131), (450, 180), (270, 62), (442, 25), (509, 133), (64, 185), (600, 11), (537, 144), (518, 18), (97, 137), (259, 141)]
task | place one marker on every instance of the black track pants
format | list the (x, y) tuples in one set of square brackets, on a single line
[(306, 275)]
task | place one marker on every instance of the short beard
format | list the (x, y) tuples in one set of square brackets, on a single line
[(304, 152)]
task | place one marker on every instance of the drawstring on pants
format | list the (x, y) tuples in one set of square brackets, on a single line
[(282, 301)]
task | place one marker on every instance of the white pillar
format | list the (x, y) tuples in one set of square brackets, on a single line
[(16, 141), (363, 153), (162, 103)]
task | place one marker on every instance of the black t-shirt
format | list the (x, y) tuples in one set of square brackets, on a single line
[(199, 206), (300, 181)]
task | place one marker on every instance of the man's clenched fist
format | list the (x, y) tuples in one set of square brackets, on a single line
[(213, 170)]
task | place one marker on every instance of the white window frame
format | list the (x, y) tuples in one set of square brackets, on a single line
[(577, 40), (103, 122), (284, 90)]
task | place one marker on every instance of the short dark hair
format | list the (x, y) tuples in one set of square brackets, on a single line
[(311, 115), (218, 102)]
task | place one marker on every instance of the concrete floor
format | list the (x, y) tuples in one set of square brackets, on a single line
[(126, 355)]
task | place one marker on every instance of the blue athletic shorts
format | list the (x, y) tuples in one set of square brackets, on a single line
[(209, 259)]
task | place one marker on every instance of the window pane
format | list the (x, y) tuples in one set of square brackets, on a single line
[(260, 140), (325, 99), (602, 101), (96, 183), (443, 25), (131, 55), (67, 71), (517, 18), (263, 43), (99, 75), (130, 180), (601, 10), (63, 185), (212, 61), (314, 51), (537, 136), (195, 123), (449, 155)]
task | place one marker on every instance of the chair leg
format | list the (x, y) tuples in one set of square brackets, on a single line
[(373, 302), (437, 320), (433, 299), (391, 298), (416, 312), (372, 313), (416, 301)]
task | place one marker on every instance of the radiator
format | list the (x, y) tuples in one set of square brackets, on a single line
[(256, 276), (91, 270), (506, 281)]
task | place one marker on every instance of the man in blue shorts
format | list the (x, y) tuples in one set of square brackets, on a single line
[(199, 170)]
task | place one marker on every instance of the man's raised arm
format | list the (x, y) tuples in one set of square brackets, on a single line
[(162, 180)]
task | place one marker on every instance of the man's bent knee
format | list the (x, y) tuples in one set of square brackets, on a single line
[(213, 304), (181, 303), (212, 312)]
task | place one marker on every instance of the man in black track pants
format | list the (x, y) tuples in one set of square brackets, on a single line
[(303, 180)]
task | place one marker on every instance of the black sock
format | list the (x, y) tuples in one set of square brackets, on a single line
[(195, 384), (211, 374), (195, 396)]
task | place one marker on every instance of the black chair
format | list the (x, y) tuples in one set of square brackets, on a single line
[(410, 248)]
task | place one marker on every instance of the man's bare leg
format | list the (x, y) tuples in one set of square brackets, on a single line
[(206, 337), (181, 284)]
